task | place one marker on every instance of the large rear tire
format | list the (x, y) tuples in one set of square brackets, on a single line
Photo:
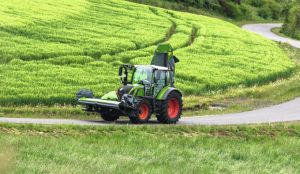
[(144, 113), (171, 109), (109, 115)]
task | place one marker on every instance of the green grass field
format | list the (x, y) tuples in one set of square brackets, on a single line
[(147, 149), (49, 50)]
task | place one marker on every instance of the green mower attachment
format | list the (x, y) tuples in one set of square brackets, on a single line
[(146, 90)]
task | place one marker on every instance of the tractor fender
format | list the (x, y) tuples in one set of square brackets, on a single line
[(163, 94)]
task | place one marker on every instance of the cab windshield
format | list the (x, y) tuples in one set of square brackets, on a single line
[(142, 73)]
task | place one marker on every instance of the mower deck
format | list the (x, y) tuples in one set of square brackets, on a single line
[(99, 102)]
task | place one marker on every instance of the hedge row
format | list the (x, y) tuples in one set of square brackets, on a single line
[(235, 9)]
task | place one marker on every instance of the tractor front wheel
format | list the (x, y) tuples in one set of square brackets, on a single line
[(143, 114), (109, 115), (171, 109)]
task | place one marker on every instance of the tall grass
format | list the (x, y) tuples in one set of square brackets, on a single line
[(158, 149), (7, 158), (46, 57)]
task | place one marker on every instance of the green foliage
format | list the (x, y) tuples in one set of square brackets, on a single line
[(46, 60), (248, 12), (270, 10), (257, 3), (291, 26), (231, 10), (235, 9), (265, 12)]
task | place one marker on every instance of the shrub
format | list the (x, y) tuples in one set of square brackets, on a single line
[(248, 12), (265, 12), (236, 9), (257, 3), (291, 26), (231, 9), (276, 9)]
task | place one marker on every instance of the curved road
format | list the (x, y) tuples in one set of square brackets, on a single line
[(265, 30), (289, 111)]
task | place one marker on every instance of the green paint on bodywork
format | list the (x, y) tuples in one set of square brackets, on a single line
[(161, 94), (165, 48), (110, 96), (137, 90)]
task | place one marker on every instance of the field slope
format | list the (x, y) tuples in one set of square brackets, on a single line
[(51, 49)]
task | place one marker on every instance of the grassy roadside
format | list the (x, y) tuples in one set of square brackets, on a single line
[(151, 149), (42, 111), (277, 31)]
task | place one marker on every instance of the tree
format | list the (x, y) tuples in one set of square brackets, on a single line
[(291, 26)]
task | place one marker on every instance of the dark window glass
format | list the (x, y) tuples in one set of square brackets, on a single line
[(160, 59)]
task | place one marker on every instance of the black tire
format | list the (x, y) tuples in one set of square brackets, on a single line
[(109, 115), (144, 113), (163, 116)]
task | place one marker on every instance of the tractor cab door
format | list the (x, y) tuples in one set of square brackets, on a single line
[(161, 79), (143, 76)]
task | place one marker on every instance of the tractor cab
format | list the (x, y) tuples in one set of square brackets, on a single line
[(143, 80), (162, 61)]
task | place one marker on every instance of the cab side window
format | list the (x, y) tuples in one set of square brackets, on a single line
[(168, 77), (160, 77), (160, 81)]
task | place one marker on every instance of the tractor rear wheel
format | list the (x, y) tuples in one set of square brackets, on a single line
[(171, 109), (109, 115), (143, 114)]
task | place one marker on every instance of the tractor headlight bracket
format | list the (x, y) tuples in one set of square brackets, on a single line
[(129, 101)]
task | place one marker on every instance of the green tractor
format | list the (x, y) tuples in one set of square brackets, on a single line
[(146, 90)]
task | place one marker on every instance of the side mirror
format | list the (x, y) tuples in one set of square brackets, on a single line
[(176, 60), (123, 75), (120, 71)]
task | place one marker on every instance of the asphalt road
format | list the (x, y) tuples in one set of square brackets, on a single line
[(289, 111), (265, 30)]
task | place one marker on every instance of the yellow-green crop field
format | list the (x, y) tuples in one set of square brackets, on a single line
[(50, 49)]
